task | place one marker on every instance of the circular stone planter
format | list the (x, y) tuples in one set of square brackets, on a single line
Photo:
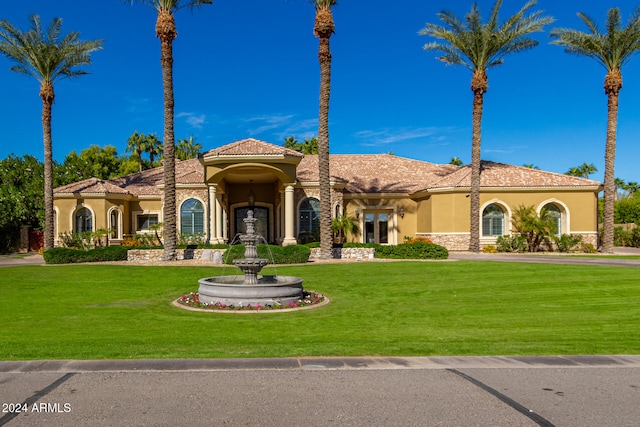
[(178, 304), (232, 290)]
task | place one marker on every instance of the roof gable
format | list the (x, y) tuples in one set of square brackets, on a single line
[(251, 147), (502, 175)]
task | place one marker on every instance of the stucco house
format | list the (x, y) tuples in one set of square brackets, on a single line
[(392, 197)]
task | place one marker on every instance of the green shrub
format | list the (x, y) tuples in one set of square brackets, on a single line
[(416, 250), (293, 254), (568, 242), (68, 256), (511, 243), (629, 238)]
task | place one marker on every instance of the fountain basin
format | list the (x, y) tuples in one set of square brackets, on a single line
[(232, 290)]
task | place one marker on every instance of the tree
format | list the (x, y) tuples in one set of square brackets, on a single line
[(188, 149), (612, 49), (456, 161), (632, 188), (582, 171), (47, 57), (535, 228), (323, 29), (620, 184), (166, 31), (21, 201), (153, 147), (136, 145), (478, 47), (95, 161), (531, 166), (309, 146), (344, 226)]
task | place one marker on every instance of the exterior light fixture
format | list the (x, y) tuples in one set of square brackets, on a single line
[(252, 195), (401, 212)]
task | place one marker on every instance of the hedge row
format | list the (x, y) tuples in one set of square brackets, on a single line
[(69, 256), (414, 250), (294, 254)]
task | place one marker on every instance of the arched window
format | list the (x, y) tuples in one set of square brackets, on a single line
[(309, 220), (492, 221), (554, 212), (114, 224), (192, 217), (83, 220)]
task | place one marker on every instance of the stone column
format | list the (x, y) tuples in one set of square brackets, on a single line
[(289, 217), (213, 213), (219, 213)]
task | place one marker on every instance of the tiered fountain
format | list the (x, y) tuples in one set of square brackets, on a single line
[(252, 288)]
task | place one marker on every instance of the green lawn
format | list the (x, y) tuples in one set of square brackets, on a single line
[(388, 309)]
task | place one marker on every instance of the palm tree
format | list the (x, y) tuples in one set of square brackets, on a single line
[(582, 171), (612, 49), (47, 57), (456, 161), (188, 148), (530, 166), (153, 147), (136, 145), (166, 31), (323, 29), (620, 184), (632, 188), (478, 47)]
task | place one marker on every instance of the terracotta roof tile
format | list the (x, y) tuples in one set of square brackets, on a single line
[(91, 186), (251, 147), (361, 173), (373, 173), (502, 175)]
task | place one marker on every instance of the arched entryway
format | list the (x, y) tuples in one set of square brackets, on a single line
[(262, 225)]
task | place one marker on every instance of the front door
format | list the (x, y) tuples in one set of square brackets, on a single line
[(376, 226), (261, 214)]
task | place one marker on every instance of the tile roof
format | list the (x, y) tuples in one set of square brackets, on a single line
[(502, 175), (251, 147), (376, 173), (361, 173), (91, 186), (143, 183)]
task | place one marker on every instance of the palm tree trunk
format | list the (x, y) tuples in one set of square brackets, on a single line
[(165, 29), (609, 175), (324, 57), (47, 95), (479, 87)]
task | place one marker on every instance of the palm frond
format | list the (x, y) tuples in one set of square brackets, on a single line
[(478, 45), (612, 49)]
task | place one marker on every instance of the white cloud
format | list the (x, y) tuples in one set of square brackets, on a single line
[(194, 120), (389, 136)]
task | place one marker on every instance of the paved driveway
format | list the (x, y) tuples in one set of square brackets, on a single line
[(425, 391)]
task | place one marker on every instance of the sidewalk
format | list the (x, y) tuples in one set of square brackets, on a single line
[(573, 391)]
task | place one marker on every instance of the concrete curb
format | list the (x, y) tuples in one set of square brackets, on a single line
[(329, 363)]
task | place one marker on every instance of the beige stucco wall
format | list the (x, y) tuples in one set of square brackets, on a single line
[(449, 213)]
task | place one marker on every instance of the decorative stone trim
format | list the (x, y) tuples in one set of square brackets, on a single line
[(346, 253), (453, 242), (156, 254)]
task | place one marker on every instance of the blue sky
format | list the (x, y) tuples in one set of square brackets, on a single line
[(248, 68)]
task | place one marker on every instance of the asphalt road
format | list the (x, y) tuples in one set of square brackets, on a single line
[(425, 391)]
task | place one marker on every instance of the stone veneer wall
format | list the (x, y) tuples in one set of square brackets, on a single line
[(156, 254), (453, 242), (460, 242), (346, 253)]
